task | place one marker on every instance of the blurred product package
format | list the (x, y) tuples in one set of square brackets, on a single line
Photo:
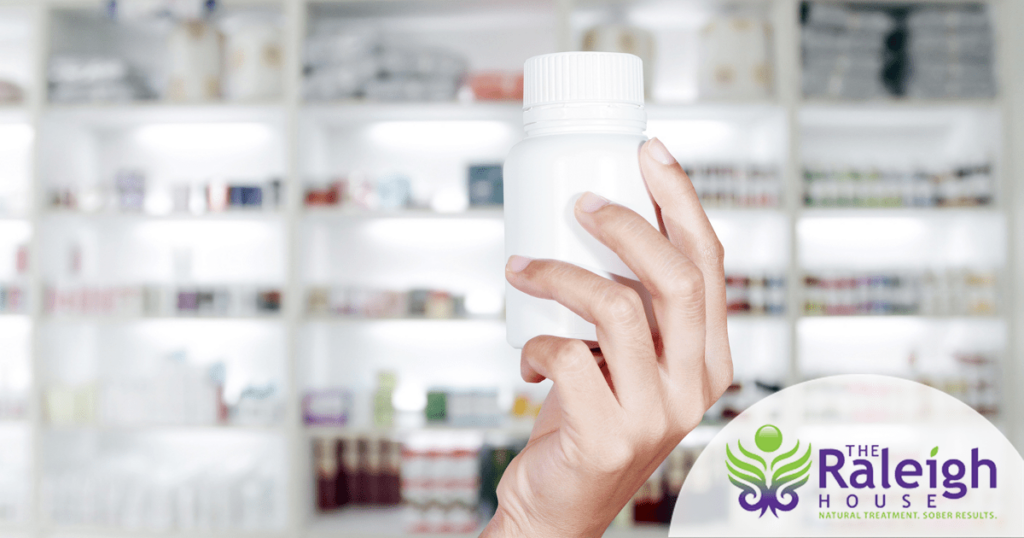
[(254, 57), (13, 299), (161, 301), (383, 399), (77, 79), (133, 10), (188, 493), (11, 92), (726, 185), (463, 407), (755, 294), (627, 39), (924, 51), (735, 58), (950, 48), (440, 478), (327, 407), (496, 85), (485, 185), (206, 55), (175, 391), (389, 190), (131, 192), (369, 303), (846, 50), (194, 56), (358, 190), (345, 62), (954, 292), (959, 186)]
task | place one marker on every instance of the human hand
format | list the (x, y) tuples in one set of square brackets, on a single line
[(615, 413)]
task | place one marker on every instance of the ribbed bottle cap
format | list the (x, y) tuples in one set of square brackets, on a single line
[(574, 77)]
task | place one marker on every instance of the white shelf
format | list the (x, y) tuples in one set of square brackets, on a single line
[(233, 215), (373, 111), (329, 212), (404, 319), (872, 212), (92, 531), (900, 104), (112, 115), (162, 428), (103, 318), (735, 111), (927, 317), (517, 429), (365, 522)]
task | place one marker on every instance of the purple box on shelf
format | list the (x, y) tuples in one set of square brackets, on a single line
[(329, 407)]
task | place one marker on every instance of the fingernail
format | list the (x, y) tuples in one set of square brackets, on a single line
[(659, 152), (518, 263), (591, 202)]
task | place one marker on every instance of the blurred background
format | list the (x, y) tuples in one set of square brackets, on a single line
[(251, 260)]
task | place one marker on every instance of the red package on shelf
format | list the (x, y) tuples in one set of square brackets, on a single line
[(497, 86)]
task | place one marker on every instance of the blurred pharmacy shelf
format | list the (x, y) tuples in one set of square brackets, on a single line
[(374, 227), (353, 213)]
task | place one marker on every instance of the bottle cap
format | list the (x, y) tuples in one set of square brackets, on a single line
[(582, 77)]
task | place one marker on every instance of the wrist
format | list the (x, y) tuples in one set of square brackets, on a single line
[(502, 526)]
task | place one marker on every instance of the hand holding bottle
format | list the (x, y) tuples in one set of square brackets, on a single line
[(619, 406)]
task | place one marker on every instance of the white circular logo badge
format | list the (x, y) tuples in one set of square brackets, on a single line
[(855, 455)]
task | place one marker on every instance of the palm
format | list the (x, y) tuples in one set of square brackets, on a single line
[(543, 465)]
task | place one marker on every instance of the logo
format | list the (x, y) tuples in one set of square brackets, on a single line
[(768, 486)]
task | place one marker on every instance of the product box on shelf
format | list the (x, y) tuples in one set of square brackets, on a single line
[(958, 292), (327, 407), (158, 300), (961, 186), (366, 303)]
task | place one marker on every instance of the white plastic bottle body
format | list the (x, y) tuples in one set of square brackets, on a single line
[(543, 177)]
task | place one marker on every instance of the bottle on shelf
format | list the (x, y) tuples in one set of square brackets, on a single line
[(961, 186), (955, 292)]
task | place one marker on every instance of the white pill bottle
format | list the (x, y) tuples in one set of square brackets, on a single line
[(583, 113)]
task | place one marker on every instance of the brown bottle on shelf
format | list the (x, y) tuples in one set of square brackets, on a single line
[(646, 501), (675, 474), (374, 476), (326, 464), (341, 484), (391, 472), (350, 466), (362, 474)]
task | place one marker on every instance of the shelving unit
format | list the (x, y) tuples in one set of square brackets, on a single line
[(294, 247)]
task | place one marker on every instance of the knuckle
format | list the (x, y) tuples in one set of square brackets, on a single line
[(622, 305), (569, 351), (685, 283), (713, 253)]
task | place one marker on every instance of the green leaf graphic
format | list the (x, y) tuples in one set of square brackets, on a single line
[(751, 455), (935, 451), (802, 466), (739, 464), (787, 455), (734, 474)]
